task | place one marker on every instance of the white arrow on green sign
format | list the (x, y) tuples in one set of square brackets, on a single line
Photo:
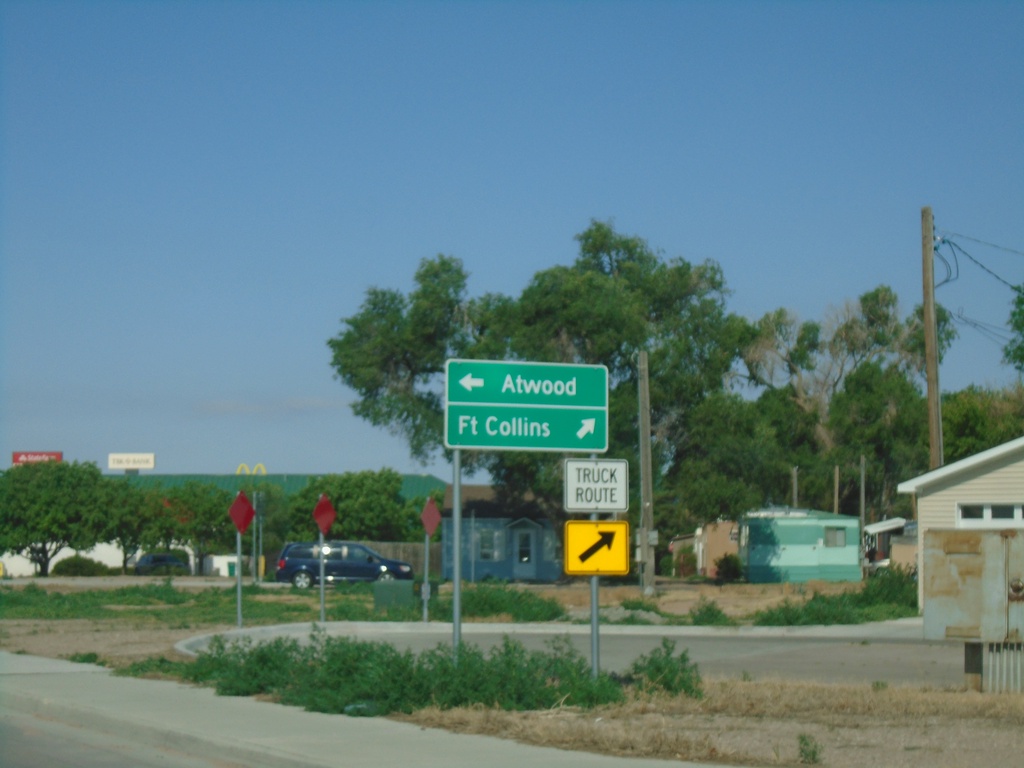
[(524, 406)]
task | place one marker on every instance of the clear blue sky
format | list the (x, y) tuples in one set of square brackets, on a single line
[(194, 194)]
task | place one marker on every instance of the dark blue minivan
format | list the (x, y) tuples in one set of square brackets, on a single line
[(343, 561)]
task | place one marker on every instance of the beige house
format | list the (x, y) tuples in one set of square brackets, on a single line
[(984, 491), (711, 542)]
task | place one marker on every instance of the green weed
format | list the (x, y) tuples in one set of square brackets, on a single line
[(809, 749), (660, 670), (488, 600), (706, 613)]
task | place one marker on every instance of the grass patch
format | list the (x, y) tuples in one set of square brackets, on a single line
[(485, 600), (339, 675), (891, 594), (186, 608), (707, 613)]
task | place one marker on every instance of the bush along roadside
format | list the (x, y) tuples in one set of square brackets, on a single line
[(891, 594), (345, 676)]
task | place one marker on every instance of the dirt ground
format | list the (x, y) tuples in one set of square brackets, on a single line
[(738, 722)]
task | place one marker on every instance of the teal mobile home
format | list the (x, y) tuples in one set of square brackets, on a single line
[(797, 545)]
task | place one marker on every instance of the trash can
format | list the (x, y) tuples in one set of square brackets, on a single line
[(231, 568), (392, 594)]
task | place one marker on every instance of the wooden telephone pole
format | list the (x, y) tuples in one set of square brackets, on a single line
[(931, 344), (646, 482)]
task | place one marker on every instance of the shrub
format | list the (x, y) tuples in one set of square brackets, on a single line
[(660, 670), (76, 565), (809, 749), (891, 586), (891, 594), (685, 563), (729, 568), (487, 600), (339, 674), (706, 613)]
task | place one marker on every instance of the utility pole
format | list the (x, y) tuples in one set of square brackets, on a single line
[(863, 512), (646, 483), (931, 352)]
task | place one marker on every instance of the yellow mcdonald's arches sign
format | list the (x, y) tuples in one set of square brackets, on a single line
[(243, 469)]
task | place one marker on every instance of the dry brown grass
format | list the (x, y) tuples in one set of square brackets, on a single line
[(760, 723)]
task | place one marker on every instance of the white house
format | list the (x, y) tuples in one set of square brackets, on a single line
[(983, 491)]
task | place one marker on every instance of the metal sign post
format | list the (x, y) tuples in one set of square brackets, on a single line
[(324, 515), (431, 517), (241, 513), (499, 405), (596, 547)]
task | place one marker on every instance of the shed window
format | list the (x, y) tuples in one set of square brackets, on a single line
[(972, 512), (990, 515), (835, 537)]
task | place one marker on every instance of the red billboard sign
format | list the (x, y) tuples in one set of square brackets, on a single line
[(32, 457)]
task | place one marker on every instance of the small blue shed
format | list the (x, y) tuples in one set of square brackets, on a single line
[(798, 545), (510, 542)]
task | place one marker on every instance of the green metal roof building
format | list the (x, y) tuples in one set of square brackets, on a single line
[(413, 486)]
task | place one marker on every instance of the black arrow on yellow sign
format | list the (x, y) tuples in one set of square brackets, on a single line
[(605, 539)]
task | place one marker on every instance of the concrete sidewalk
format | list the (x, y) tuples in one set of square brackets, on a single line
[(246, 731)]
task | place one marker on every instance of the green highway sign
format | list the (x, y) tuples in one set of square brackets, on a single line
[(523, 406)]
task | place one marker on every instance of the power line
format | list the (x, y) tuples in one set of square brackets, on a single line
[(994, 333), (983, 242), (1002, 280)]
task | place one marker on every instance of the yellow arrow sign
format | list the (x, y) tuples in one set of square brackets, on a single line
[(596, 548)]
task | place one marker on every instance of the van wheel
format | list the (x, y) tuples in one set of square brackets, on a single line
[(302, 580)]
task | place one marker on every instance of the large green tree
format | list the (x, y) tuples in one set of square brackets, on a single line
[(48, 506), (369, 507), (882, 415), (813, 359), (1013, 352), (975, 419), (133, 517), (618, 298), (200, 511)]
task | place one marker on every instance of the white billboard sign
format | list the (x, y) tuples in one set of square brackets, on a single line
[(131, 461), (596, 485)]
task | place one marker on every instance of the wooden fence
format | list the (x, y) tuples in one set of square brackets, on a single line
[(411, 553)]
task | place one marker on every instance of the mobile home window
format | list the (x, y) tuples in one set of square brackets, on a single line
[(835, 537)]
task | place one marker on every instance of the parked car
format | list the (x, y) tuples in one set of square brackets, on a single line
[(160, 565), (299, 564)]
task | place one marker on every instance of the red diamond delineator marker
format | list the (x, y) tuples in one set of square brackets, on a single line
[(431, 517), (324, 514), (241, 512)]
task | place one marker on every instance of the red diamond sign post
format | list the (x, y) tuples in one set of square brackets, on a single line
[(431, 517), (324, 515), (241, 513)]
